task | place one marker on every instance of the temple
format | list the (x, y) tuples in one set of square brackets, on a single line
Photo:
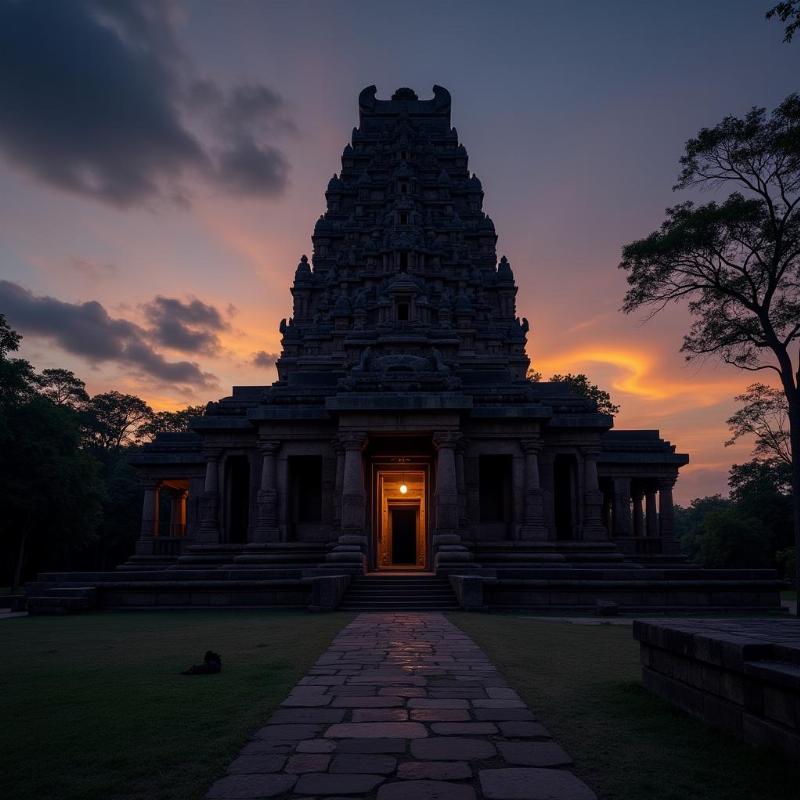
[(403, 444)]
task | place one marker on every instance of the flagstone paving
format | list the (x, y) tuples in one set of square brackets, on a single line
[(402, 706)]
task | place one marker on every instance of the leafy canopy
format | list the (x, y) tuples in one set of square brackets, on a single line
[(737, 262), (787, 12), (765, 416)]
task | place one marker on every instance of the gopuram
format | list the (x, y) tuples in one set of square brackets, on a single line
[(402, 458)]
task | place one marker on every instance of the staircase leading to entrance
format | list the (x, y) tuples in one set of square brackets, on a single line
[(382, 592)]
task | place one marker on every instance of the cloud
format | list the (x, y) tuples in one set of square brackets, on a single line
[(93, 100), (264, 359), (93, 269), (191, 327), (87, 330)]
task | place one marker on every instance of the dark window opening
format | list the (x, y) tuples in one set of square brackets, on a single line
[(495, 488), (238, 470), (402, 312), (403, 260), (404, 218), (305, 489), (403, 188), (564, 496)]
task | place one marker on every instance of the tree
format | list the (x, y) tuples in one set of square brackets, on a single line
[(17, 378), (49, 488), (581, 384), (765, 417), (787, 12), (115, 420), (63, 388), (170, 421), (726, 539), (736, 262)]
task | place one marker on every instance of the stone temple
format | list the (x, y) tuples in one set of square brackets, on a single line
[(402, 440)]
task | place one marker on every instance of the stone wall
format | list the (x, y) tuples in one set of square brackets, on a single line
[(742, 676)]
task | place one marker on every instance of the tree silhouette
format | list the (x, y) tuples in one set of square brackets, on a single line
[(735, 262), (787, 12)]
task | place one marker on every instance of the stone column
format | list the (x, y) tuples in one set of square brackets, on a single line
[(337, 485), (666, 516), (266, 529), (651, 517), (446, 482), (349, 553), (593, 528), (177, 513), (462, 486), (638, 514), (534, 527), (622, 507), (144, 546), (209, 531), (450, 549), (354, 501)]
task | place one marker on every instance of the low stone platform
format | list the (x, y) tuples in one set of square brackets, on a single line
[(402, 706), (742, 676)]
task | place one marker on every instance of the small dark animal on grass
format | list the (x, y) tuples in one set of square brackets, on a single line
[(212, 664)]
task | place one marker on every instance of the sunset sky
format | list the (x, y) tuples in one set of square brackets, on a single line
[(162, 167)]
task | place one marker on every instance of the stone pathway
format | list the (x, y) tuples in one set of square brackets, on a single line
[(402, 706)]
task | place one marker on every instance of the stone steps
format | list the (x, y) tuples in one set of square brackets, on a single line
[(62, 600), (399, 592)]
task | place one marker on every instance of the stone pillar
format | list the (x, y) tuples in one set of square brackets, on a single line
[(638, 513), (622, 507), (534, 527), (666, 516), (462, 486), (209, 531), (354, 501), (144, 546), (177, 513), (593, 528), (266, 529), (349, 553), (651, 518), (450, 549), (446, 482), (337, 485)]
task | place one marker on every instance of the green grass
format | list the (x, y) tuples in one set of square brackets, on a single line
[(583, 682), (93, 707)]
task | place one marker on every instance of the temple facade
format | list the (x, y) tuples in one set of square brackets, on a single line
[(402, 432)]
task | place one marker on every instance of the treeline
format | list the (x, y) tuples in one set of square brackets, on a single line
[(69, 497), (752, 528)]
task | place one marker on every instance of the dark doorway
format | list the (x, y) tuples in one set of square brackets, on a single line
[(564, 496), (305, 492), (404, 536), (495, 488), (238, 469)]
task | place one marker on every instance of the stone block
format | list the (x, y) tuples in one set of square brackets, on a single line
[(250, 787), (532, 783), (324, 783), (425, 790)]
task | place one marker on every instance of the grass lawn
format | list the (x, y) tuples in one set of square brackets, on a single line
[(583, 682), (93, 707)]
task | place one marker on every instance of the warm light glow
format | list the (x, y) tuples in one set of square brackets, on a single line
[(403, 488)]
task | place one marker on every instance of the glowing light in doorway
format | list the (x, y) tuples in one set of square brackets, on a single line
[(403, 488)]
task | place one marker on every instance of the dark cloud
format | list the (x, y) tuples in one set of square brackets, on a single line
[(87, 330), (248, 168), (264, 359), (191, 327), (93, 101)]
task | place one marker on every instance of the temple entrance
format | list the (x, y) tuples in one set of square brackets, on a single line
[(401, 519)]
